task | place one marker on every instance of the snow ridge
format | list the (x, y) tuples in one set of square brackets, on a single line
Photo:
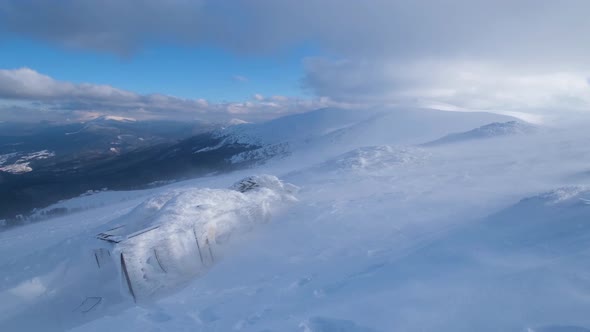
[(496, 129)]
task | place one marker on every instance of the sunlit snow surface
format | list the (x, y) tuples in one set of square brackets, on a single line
[(383, 235)]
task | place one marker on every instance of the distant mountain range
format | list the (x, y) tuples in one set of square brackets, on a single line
[(44, 163)]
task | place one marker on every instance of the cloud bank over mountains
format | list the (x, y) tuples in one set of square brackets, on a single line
[(467, 85), (40, 96)]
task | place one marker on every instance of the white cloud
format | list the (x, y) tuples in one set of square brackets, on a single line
[(26, 95), (25, 83), (462, 84)]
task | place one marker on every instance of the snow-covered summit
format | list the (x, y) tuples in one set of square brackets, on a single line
[(367, 127), (335, 131), (298, 127), (496, 129)]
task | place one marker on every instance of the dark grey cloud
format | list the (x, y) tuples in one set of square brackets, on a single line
[(107, 25), (123, 27), (545, 29)]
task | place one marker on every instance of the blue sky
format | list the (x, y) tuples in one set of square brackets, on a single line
[(188, 72)]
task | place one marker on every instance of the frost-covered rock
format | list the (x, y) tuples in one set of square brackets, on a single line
[(373, 159), (175, 236), (262, 154), (376, 157), (263, 181)]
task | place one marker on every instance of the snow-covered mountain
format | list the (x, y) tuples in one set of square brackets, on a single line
[(491, 130), (353, 225), (334, 131)]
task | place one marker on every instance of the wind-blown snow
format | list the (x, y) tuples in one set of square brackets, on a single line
[(488, 131), (326, 133), (385, 234), (375, 158), (291, 128)]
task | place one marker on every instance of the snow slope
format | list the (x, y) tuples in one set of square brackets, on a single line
[(298, 127), (489, 235), (409, 126), (328, 132), (488, 131)]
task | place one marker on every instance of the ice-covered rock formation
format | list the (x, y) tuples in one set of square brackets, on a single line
[(176, 236)]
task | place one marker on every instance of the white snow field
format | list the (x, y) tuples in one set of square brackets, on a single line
[(361, 226)]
